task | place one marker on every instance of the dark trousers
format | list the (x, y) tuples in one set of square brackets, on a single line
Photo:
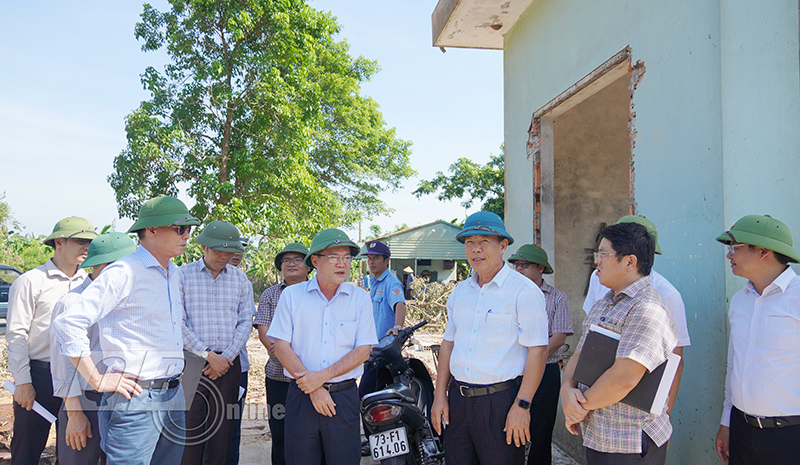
[(367, 385), (208, 421), (543, 415), (276, 395), (651, 455), (755, 446), (475, 435), (309, 435), (92, 454), (236, 427), (30, 429)]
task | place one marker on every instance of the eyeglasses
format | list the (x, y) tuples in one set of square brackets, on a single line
[(335, 259), (599, 256), (732, 248), (181, 230), (518, 265), (298, 260)]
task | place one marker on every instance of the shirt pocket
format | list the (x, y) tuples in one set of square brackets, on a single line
[(346, 334), (781, 332), (499, 328)]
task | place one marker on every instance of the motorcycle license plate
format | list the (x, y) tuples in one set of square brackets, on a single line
[(389, 443)]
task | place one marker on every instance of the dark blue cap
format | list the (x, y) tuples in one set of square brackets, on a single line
[(378, 248)]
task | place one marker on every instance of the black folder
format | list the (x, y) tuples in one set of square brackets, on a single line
[(599, 353)]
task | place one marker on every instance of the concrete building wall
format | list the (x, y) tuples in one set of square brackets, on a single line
[(678, 158)]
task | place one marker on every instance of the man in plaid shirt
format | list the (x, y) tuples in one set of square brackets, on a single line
[(218, 302), (613, 432), (291, 263)]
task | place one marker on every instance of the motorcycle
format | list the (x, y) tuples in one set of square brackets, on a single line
[(397, 416)]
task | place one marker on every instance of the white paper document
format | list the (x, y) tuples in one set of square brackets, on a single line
[(37, 407)]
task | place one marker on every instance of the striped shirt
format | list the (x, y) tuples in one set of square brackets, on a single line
[(266, 311), (648, 335), (493, 326), (66, 380), (218, 312), (137, 307), (559, 319)]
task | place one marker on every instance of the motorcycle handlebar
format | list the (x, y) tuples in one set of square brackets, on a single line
[(417, 326)]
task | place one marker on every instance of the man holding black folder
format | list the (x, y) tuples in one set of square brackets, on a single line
[(615, 432), (761, 415)]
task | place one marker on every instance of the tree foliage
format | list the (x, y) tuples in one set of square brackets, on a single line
[(259, 113), (485, 183), (23, 252)]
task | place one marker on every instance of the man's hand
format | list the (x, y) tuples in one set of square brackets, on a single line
[(440, 413), (723, 443), (517, 426), (217, 365), (78, 429), (323, 403), (123, 383), (24, 395), (574, 413), (394, 330), (310, 381)]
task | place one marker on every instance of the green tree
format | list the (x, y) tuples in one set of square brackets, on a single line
[(259, 114), (485, 183), (23, 252)]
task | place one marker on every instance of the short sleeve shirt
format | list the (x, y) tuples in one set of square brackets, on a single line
[(559, 319), (648, 335), (266, 312), (386, 292)]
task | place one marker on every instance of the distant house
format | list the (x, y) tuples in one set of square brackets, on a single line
[(684, 111), (429, 250)]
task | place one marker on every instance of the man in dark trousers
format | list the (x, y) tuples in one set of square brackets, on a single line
[(761, 415)]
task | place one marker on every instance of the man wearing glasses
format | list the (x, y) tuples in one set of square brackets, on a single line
[(531, 261), (323, 331), (136, 303), (494, 348), (614, 432), (30, 307), (291, 263), (218, 319), (761, 414)]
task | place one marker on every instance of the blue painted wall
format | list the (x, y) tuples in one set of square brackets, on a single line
[(718, 122)]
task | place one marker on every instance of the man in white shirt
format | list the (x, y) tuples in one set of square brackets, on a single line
[(324, 331), (494, 349), (665, 289), (761, 415), (30, 307)]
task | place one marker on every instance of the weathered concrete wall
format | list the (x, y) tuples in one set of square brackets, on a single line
[(678, 159)]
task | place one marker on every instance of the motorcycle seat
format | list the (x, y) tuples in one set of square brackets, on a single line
[(392, 392)]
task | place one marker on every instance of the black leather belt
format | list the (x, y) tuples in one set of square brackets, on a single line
[(341, 386), (160, 383), (39, 364), (476, 390), (769, 422)]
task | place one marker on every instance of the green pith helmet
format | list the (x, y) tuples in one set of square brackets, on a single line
[(221, 236), (163, 211), (107, 248), (73, 227), (295, 247), (641, 219), (330, 238), (534, 254), (762, 231), (484, 223)]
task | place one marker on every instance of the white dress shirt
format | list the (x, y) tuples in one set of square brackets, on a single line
[(763, 377), (137, 306), (493, 326), (66, 380), (667, 291), (30, 308), (321, 332)]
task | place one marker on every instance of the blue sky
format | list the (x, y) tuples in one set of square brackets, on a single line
[(71, 75)]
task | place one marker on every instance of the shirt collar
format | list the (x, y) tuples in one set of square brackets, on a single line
[(780, 283), (313, 284), (53, 271), (546, 288), (636, 286), (149, 261), (383, 275), (204, 267), (498, 279)]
